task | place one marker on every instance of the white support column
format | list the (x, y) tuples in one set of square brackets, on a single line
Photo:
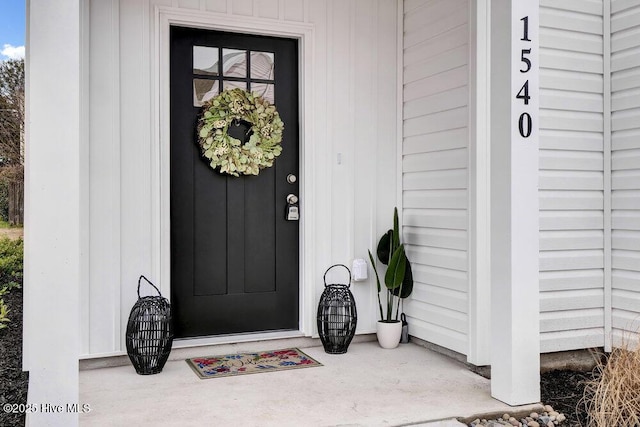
[(515, 334), (53, 220)]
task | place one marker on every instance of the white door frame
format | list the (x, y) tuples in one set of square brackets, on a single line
[(164, 17)]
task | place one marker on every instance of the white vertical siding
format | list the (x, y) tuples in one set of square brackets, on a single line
[(571, 179), (435, 171), (354, 115), (102, 319), (625, 165)]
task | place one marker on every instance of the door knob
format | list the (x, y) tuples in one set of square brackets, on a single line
[(292, 211)]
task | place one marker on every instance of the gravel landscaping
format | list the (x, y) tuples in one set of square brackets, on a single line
[(564, 390), (547, 418)]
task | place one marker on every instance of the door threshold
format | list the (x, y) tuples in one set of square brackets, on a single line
[(225, 344), (235, 338)]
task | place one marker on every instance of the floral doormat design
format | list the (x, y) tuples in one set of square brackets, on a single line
[(250, 363)]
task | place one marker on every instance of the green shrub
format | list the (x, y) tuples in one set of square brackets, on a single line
[(11, 259), (4, 311)]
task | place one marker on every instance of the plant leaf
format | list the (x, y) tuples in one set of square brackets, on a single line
[(384, 247), (373, 264), (396, 231), (407, 283), (375, 270), (397, 267)]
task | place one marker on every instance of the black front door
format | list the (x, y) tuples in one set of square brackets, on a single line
[(234, 257)]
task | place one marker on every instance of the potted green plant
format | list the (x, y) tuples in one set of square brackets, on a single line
[(398, 280)]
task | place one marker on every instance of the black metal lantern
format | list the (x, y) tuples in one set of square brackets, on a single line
[(149, 334), (337, 315)]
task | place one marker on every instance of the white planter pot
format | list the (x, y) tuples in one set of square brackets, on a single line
[(389, 333)]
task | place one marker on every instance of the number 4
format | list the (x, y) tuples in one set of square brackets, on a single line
[(524, 93)]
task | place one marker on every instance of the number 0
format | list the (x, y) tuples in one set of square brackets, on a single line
[(525, 128)]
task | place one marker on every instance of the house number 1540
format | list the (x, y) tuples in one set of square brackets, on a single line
[(524, 122)]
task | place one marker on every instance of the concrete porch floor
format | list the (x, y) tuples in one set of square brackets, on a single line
[(368, 386)]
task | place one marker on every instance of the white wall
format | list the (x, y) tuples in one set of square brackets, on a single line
[(625, 164), (571, 179), (435, 168), (353, 114)]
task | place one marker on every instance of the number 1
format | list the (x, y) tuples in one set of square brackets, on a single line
[(525, 36)]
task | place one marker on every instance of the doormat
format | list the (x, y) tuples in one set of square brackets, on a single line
[(250, 363)]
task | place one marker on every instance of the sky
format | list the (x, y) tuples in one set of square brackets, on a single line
[(12, 29)]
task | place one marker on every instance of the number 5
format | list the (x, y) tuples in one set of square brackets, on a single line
[(525, 60)]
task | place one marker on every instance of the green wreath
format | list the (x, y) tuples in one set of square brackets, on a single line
[(230, 154)]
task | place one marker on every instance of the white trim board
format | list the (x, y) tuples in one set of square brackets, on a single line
[(400, 111), (479, 281), (607, 184), (160, 183)]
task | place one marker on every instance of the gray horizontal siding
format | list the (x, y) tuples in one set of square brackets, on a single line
[(435, 164), (571, 177), (625, 165)]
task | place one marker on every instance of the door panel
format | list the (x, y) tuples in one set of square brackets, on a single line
[(234, 257)]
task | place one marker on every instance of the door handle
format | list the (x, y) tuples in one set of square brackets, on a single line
[(293, 213)]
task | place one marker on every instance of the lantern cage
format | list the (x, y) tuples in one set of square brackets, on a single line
[(149, 333), (337, 316)]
